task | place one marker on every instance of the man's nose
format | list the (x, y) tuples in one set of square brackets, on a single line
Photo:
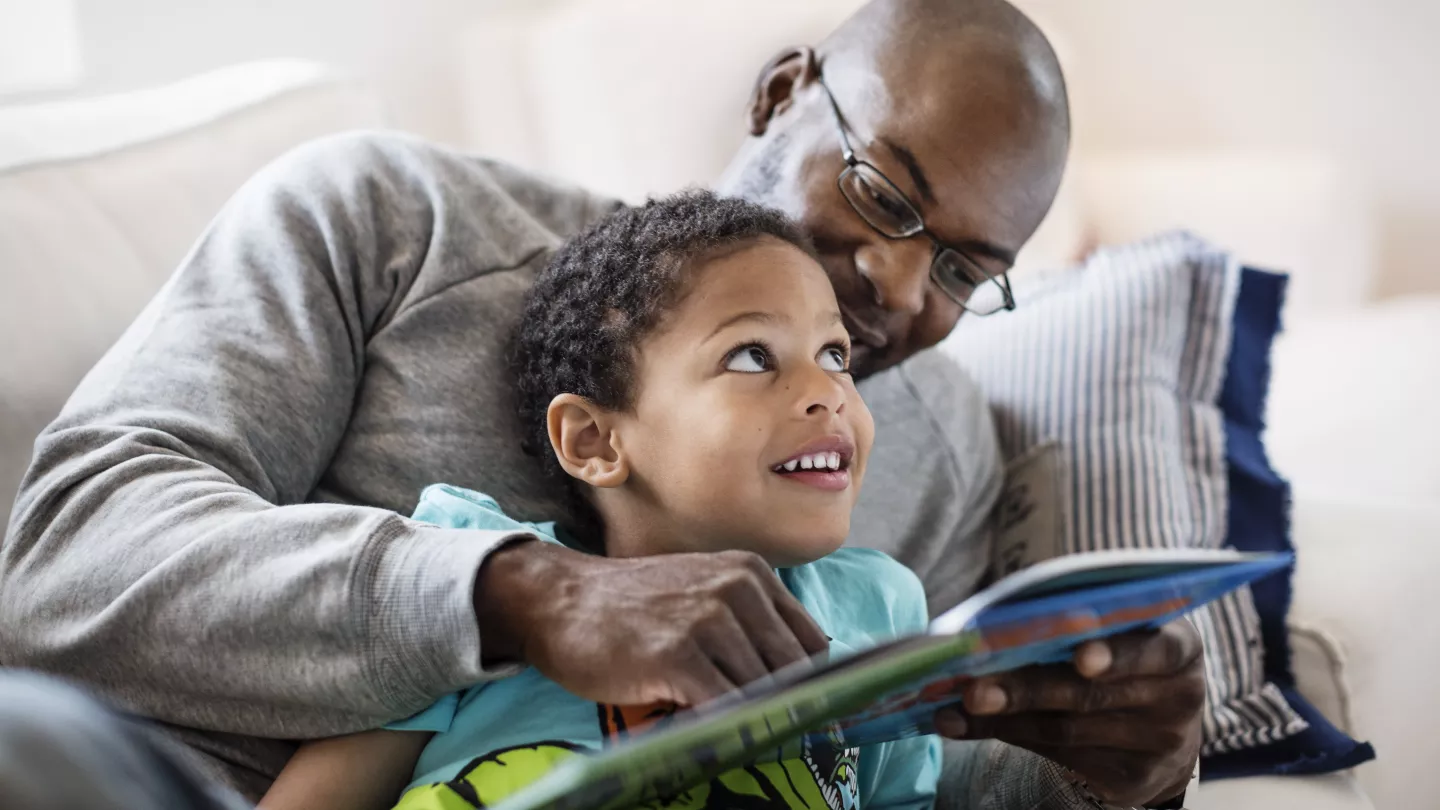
[(899, 271)]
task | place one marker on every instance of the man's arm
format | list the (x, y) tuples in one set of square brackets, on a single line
[(161, 547), (992, 775)]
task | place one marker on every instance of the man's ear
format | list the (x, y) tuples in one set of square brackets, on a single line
[(583, 437), (790, 70)]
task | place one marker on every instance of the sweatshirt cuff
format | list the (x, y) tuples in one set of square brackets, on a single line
[(416, 590), (1016, 779)]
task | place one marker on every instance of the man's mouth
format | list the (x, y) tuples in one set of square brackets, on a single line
[(823, 464)]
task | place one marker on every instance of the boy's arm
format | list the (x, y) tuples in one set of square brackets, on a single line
[(364, 771)]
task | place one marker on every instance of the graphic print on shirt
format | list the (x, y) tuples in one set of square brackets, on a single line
[(823, 777), (487, 780)]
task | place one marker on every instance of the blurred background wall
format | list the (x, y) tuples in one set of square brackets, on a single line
[(1348, 80), (405, 49), (1355, 79)]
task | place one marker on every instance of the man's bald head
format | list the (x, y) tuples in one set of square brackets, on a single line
[(961, 103), (953, 53), (884, 29)]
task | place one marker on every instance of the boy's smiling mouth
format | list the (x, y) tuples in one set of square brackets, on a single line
[(823, 464)]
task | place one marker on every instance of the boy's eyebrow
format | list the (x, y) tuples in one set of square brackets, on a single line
[(757, 316)]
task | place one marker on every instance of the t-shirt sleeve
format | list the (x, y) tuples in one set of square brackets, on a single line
[(453, 507), (900, 774), (437, 718)]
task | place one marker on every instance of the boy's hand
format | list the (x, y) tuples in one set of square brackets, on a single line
[(1125, 716), (680, 628)]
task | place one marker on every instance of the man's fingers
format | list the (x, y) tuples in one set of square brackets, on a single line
[(1058, 689), (812, 639), (803, 629), (1167, 651), (1054, 736), (698, 679), (770, 633), (950, 722), (726, 643), (1113, 730)]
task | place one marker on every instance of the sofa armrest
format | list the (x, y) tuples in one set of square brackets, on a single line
[(1366, 635)]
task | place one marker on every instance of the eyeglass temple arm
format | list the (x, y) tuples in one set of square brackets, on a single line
[(1005, 285), (846, 151)]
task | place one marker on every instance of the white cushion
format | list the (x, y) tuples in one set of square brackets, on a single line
[(1353, 402), (100, 200), (1331, 791), (1364, 573)]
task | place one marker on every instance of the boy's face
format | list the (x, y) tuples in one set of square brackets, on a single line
[(740, 389)]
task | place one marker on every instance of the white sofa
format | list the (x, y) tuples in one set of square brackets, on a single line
[(100, 199)]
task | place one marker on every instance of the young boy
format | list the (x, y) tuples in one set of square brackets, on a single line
[(683, 366)]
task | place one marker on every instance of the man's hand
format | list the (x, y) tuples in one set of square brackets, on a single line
[(1125, 717), (682, 628)]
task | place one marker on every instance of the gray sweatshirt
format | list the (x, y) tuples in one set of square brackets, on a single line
[(212, 534)]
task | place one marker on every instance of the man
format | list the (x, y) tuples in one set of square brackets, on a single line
[(209, 532)]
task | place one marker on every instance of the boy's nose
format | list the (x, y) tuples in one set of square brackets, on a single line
[(823, 394)]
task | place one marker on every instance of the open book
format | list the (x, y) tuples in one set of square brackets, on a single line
[(1035, 616)]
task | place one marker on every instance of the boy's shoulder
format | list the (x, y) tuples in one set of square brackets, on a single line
[(452, 507), (860, 596)]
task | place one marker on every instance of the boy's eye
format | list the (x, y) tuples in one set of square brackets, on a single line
[(748, 360), (833, 359)]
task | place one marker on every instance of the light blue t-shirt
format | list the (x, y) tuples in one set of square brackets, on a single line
[(497, 737)]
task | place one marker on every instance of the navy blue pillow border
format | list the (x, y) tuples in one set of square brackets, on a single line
[(1259, 520)]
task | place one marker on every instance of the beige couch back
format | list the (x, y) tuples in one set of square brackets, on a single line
[(100, 200), (636, 97)]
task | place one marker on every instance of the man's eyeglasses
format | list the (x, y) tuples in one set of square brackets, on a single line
[(887, 210)]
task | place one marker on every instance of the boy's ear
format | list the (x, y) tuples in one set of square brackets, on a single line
[(583, 437)]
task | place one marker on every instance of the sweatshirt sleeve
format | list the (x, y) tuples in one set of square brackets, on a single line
[(161, 547)]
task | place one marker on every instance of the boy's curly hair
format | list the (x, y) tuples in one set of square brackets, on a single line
[(608, 288)]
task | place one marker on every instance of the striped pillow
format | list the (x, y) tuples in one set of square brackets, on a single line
[(1121, 362)]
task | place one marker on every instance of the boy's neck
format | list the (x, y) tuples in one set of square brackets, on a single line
[(629, 532)]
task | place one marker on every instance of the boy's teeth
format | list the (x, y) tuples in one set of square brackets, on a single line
[(814, 461)]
